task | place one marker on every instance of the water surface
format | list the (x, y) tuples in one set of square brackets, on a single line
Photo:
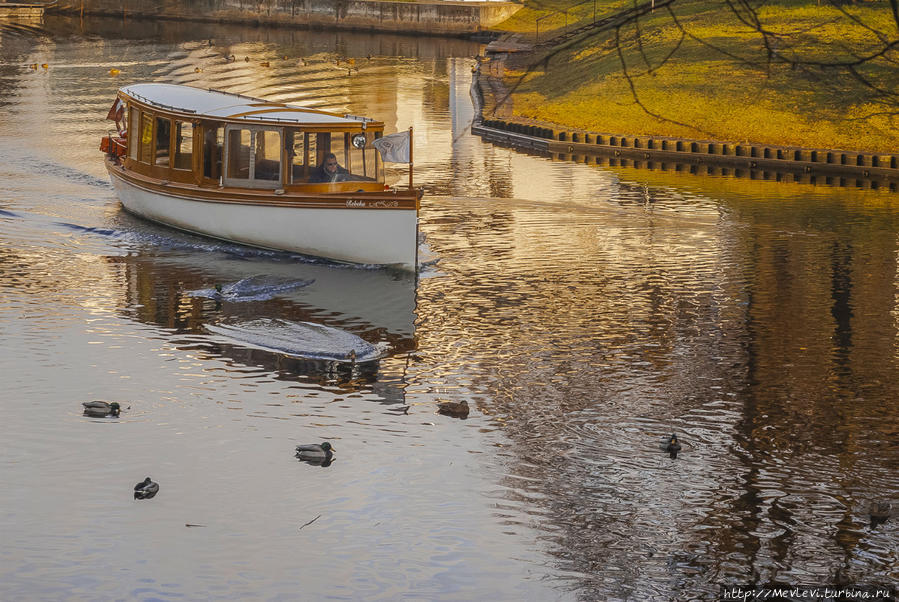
[(582, 312)]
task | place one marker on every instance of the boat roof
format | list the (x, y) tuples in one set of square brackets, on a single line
[(215, 104)]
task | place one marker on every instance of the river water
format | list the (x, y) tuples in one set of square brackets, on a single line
[(583, 312)]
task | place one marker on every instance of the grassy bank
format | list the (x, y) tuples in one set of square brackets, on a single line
[(701, 70)]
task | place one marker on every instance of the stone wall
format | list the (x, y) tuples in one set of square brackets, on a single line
[(446, 18)]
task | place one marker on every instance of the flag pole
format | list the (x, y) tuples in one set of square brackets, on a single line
[(410, 157)]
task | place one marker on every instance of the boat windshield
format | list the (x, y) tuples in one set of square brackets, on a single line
[(254, 156), (318, 157)]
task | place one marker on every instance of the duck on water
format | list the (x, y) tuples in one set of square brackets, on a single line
[(671, 445), (146, 489), (100, 409), (316, 453)]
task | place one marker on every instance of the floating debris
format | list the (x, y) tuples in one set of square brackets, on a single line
[(310, 522)]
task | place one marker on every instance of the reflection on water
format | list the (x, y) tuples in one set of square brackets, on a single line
[(583, 312), (746, 327), (375, 308)]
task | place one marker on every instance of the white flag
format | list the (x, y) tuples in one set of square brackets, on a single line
[(394, 148)]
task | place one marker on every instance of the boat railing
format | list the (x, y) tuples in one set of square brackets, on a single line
[(160, 104), (237, 94), (268, 118), (358, 118), (114, 144)]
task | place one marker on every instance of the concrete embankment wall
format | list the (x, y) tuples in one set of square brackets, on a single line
[(445, 18), (20, 11)]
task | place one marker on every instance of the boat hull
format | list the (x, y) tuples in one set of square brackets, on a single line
[(350, 233)]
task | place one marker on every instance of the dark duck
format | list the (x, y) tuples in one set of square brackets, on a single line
[(146, 489), (99, 409), (880, 512), (671, 445), (459, 409), (316, 453)]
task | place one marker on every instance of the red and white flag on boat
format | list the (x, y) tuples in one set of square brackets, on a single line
[(394, 148), (117, 110)]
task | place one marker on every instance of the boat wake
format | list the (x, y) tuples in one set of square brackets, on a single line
[(162, 242), (109, 232), (46, 168), (254, 288), (305, 340), (160, 237)]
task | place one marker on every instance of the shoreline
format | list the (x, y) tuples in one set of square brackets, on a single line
[(453, 19), (831, 167), (695, 73)]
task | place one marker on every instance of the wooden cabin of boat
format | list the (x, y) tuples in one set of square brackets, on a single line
[(219, 148), (214, 138)]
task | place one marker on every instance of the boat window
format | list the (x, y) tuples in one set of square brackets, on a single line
[(146, 138), (213, 141), (312, 158), (294, 144), (370, 159), (239, 154), (338, 148), (163, 140), (134, 116), (184, 144), (365, 161), (268, 155), (325, 143), (356, 162)]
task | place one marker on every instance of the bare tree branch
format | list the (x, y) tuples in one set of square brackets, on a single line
[(868, 63), (636, 96)]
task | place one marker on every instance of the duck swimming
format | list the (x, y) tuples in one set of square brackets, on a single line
[(459, 409), (99, 409), (316, 453), (671, 445), (880, 512), (146, 489)]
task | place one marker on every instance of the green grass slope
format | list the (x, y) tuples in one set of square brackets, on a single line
[(783, 72)]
